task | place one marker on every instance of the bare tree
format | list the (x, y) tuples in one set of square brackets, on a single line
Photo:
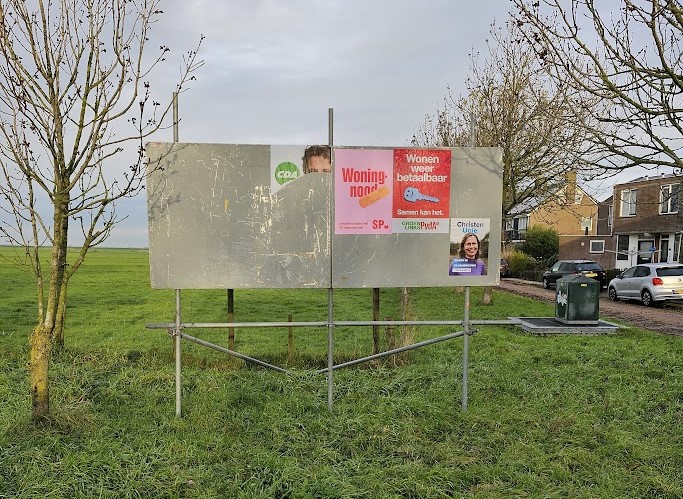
[(69, 72), (515, 106), (518, 108), (628, 55)]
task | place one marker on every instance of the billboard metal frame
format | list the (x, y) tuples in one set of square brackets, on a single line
[(177, 330)]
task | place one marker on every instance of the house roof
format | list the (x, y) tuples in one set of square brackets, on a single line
[(530, 204), (650, 178), (526, 206)]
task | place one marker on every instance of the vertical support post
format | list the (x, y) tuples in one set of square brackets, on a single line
[(404, 315), (290, 340), (176, 337), (466, 313), (176, 333), (330, 293), (330, 350), (465, 346), (231, 318), (375, 317), (391, 339)]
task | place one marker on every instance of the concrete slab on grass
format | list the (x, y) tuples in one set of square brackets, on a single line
[(551, 325)]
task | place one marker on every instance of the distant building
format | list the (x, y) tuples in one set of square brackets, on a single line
[(647, 220), (571, 211), (598, 246), (640, 222)]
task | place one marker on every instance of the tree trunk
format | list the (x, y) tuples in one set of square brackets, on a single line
[(41, 350), (487, 297), (59, 329), (42, 344), (43, 335)]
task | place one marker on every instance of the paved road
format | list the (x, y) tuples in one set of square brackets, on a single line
[(667, 319)]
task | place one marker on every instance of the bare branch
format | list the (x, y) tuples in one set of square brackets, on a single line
[(518, 108), (630, 59)]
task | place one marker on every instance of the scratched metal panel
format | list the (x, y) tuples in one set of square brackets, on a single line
[(213, 222), (420, 260)]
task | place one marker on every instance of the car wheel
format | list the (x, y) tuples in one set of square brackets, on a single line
[(612, 294), (545, 283), (646, 297)]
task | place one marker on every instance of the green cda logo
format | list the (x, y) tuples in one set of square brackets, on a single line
[(286, 171)]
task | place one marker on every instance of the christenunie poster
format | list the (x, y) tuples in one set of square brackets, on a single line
[(469, 249)]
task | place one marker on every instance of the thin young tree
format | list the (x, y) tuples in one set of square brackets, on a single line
[(74, 91), (628, 54)]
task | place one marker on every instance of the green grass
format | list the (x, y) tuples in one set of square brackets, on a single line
[(555, 416)]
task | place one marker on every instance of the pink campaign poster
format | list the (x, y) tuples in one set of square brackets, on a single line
[(422, 190), (363, 191)]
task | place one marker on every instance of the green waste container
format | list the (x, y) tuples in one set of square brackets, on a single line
[(577, 300)]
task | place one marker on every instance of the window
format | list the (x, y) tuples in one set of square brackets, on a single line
[(597, 246), (622, 247), (670, 271), (641, 272), (515, 227), (628, 202), (629, 272), (588, 266), (586, 223), (522, 223), (668, 199), (646, 249), (610, 216)]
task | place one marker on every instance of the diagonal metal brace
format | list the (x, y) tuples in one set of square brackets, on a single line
[(398, 350)]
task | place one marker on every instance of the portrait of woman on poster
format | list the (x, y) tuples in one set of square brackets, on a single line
[(468, 263)]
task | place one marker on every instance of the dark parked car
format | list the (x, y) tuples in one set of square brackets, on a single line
[(563, 268), (504, 267), (651, 283)]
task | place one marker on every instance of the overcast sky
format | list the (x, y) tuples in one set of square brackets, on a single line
[(273, 68)]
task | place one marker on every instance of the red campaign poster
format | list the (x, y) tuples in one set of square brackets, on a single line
[(422, 190)]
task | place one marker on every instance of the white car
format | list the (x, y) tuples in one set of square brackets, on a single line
[(651, 283)]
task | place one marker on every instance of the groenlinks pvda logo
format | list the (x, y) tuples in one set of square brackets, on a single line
[(286, 171)]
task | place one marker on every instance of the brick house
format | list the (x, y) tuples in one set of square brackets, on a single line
[(647, 223), (640, 222), (571, 211), (598, 246)]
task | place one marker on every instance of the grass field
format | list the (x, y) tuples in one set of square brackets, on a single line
[(556, 416)]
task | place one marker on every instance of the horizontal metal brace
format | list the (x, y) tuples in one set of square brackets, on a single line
[(222, 325)]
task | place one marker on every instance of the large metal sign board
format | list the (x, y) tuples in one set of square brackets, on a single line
[(247, 216)]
